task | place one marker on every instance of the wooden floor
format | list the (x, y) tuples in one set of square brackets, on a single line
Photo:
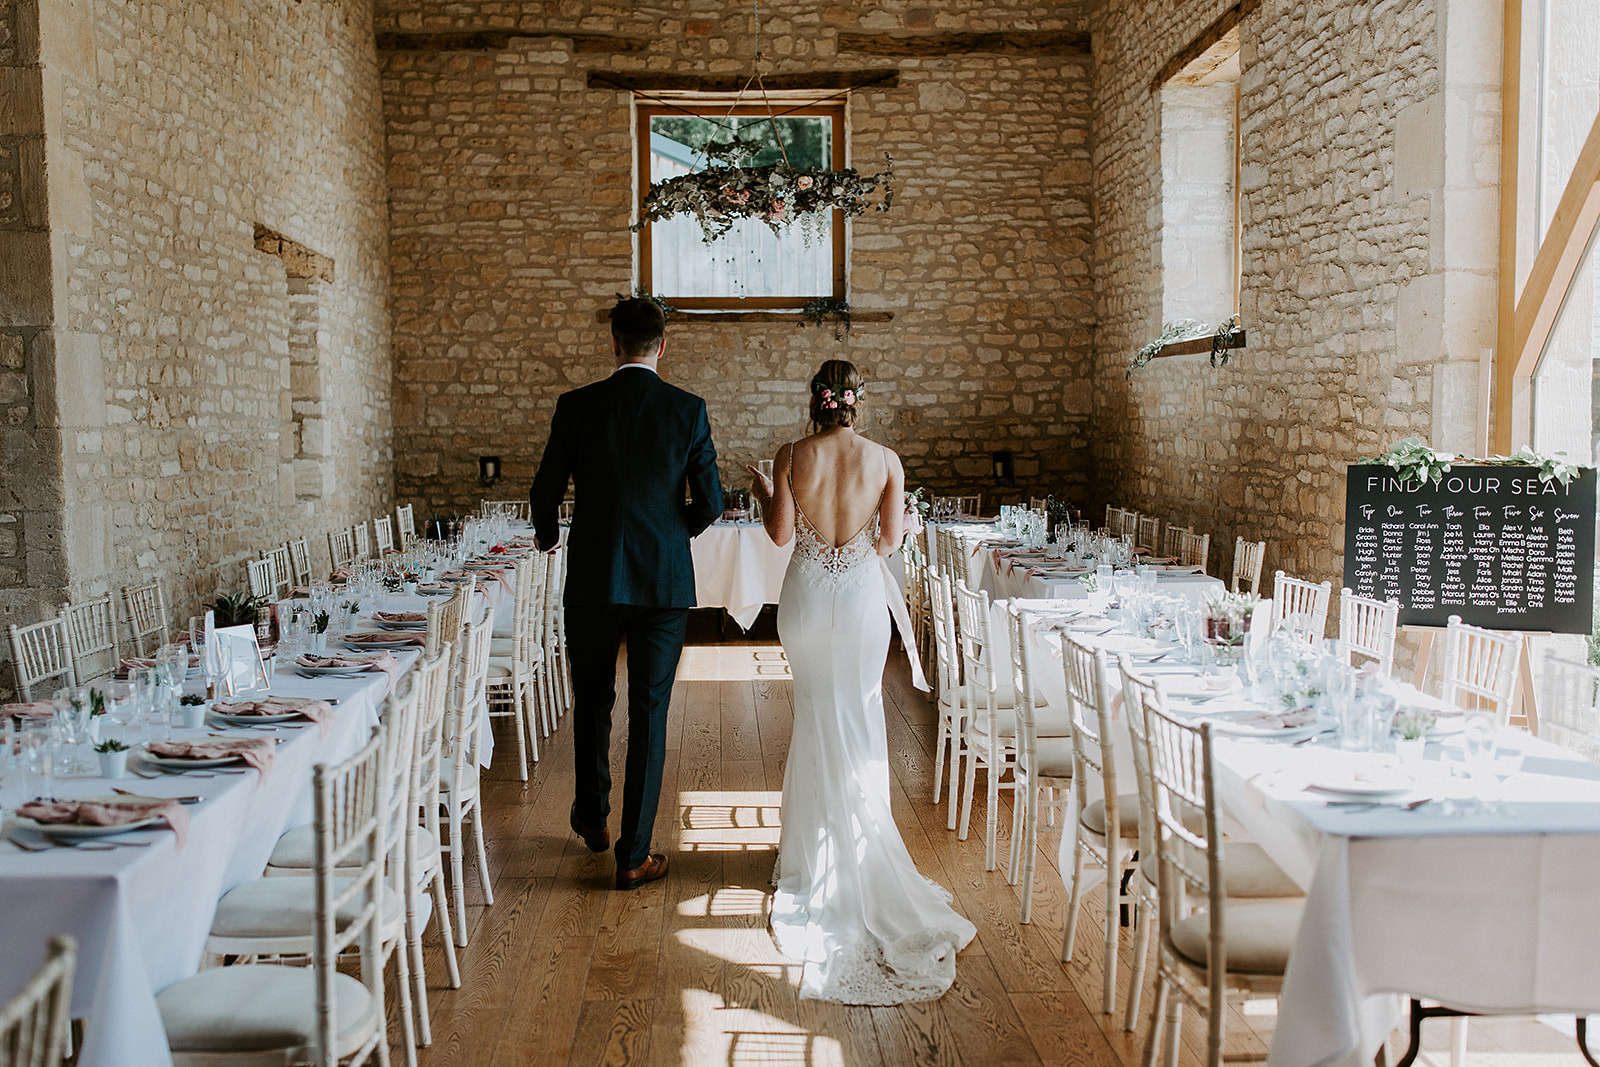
[(564, 970)]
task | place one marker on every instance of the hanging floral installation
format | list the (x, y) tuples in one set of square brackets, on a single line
[(778, 195)]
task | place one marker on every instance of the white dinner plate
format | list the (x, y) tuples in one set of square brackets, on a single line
[(1190, 686), (381, 646), (168, 764), (252, 720), (75, 830), (314, 671), (435, 592), (1375, 784), (417, 627)]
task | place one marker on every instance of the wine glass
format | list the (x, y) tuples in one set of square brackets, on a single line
[(72, 724)]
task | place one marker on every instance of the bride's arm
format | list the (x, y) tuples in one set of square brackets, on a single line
[(892, 510), (777, 504)]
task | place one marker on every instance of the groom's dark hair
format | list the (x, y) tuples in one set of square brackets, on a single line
[(638, 324)]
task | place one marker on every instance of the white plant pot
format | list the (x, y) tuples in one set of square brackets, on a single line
[(194, 716), (1409, 752), (113, 764), (408, 588), (319, 643), (94, 730)]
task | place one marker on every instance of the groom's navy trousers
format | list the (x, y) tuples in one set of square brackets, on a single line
[(655, 640), (634, 449)]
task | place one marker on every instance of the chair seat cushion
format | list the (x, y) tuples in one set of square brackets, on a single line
[(1247, 872), (259, 1007), (1259, 935), (447, 778), (1047, 722), (286, 907), (1052, 757), (1094, 816), (296, 848), (501, 669)]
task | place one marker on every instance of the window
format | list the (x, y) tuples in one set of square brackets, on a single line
[(1199, 185), (749, 267)]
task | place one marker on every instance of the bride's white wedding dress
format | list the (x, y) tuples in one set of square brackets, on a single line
[(849, 899)]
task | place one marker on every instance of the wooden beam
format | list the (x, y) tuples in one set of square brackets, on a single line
[(792, 318), (500, 41), (1014, 42), (1198, 346), (1560, 255), (732, 83), (1504, 378), (1198, 47)]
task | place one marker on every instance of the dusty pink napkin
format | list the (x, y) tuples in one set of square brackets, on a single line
[(318, 711), (1288, 720), (39, 709), (384, 661), (256, 751), (399, 616), (107, 813), (385, 637)]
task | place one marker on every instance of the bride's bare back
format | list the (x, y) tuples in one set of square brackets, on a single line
[(840, 479)]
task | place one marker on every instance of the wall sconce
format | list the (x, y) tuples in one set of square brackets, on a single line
[(488, 469), (1003, 467)]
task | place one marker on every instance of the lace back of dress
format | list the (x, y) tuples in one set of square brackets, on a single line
[(819, 558)]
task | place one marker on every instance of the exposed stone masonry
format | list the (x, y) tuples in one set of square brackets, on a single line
[(510, 197)]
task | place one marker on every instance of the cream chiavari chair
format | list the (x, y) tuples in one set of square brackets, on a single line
[(459, 783), (1149, 533), (274, 915), (1299, 608), (1037, 503), (1113, 517), (1480, 667), (915, 556), (92, 638), (1367, 628), (1193, 551), (310, 1014), (1569, 714), (951, 695), (34, 1023), (424, 840), (1172, 540), (510, 509), (383, 534), (405, 526), (259, 577), (361, 537), (1107, 830), (299, 561), (986, 743), (341, 548), (555, 629), (147, 617), (282, 571), (564, 510), (41, 652), (1247, 559), (1203, 952), (510, 680), (1043, 773)]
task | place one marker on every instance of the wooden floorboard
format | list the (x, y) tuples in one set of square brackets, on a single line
[(563, 969)]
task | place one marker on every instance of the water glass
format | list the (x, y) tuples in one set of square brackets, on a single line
[(72, 725)]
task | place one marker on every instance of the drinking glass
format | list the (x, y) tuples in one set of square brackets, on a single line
[(72, 725), (36, 754), (121, 708)]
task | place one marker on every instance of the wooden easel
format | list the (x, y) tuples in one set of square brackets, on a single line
[(1524, 700)]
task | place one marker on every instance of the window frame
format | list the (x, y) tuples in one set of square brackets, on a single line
[(644, 112)]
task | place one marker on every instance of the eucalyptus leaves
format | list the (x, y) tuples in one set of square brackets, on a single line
[(1415, 461), (1224, 337)]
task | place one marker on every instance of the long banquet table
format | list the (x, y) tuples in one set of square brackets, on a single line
[(141, 915), (738, 568), (1485, 909)]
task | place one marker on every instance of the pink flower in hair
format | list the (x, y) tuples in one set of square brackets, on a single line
[(850, 397)]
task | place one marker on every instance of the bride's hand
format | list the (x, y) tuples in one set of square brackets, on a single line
[(761, 487)]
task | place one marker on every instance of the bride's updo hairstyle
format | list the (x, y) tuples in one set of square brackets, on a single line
[(836, 395)]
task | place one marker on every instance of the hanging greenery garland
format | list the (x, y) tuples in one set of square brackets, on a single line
[(778, 195)]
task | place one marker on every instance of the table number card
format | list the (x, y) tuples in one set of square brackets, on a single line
[(1492, 544)]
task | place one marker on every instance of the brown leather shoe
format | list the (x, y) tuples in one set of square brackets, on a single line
[(597, 838), (655, 866)]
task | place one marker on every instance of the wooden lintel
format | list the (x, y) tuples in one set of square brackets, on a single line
[(793, 318), (1015, 42), (732, 83), (1225, 24), (298, 260), (500, 41), (1198, 346)]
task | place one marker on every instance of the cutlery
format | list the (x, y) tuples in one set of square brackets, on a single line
[(81, 846), (28, 846), (141, 796), (1107, 630)]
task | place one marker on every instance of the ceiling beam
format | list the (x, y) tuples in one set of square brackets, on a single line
[(1211, 35), (500, 41), (1014, 42), (719, 83)]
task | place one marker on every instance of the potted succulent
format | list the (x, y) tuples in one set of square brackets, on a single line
[(113, 758), (319, 632), (1411, 728)]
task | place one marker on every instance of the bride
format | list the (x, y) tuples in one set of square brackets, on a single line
[(849, 900)]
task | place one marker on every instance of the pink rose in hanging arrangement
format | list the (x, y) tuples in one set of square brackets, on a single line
[(776, 194)]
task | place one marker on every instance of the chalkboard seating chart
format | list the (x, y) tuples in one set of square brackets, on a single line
[(1492, 544)]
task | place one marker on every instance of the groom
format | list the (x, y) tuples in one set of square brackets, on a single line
[(629, 443)]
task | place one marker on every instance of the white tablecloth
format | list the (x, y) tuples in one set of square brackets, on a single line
[(739, 569), (141, 915)]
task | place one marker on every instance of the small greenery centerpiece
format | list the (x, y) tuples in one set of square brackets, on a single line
[(1416, 462), (111, 745), (237, 609)]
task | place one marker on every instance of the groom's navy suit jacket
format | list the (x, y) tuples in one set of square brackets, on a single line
[(630, 444)]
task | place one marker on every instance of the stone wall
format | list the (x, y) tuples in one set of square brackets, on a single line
[(1357, 333), (510, 196), (174, 132)]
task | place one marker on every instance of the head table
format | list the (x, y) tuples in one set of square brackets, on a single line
[(141, 914), (1481, 906)]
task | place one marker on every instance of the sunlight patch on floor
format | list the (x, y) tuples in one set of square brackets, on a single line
[(733, 663), (728, 820), (715, 1032), (749, 947), (727, 901)]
